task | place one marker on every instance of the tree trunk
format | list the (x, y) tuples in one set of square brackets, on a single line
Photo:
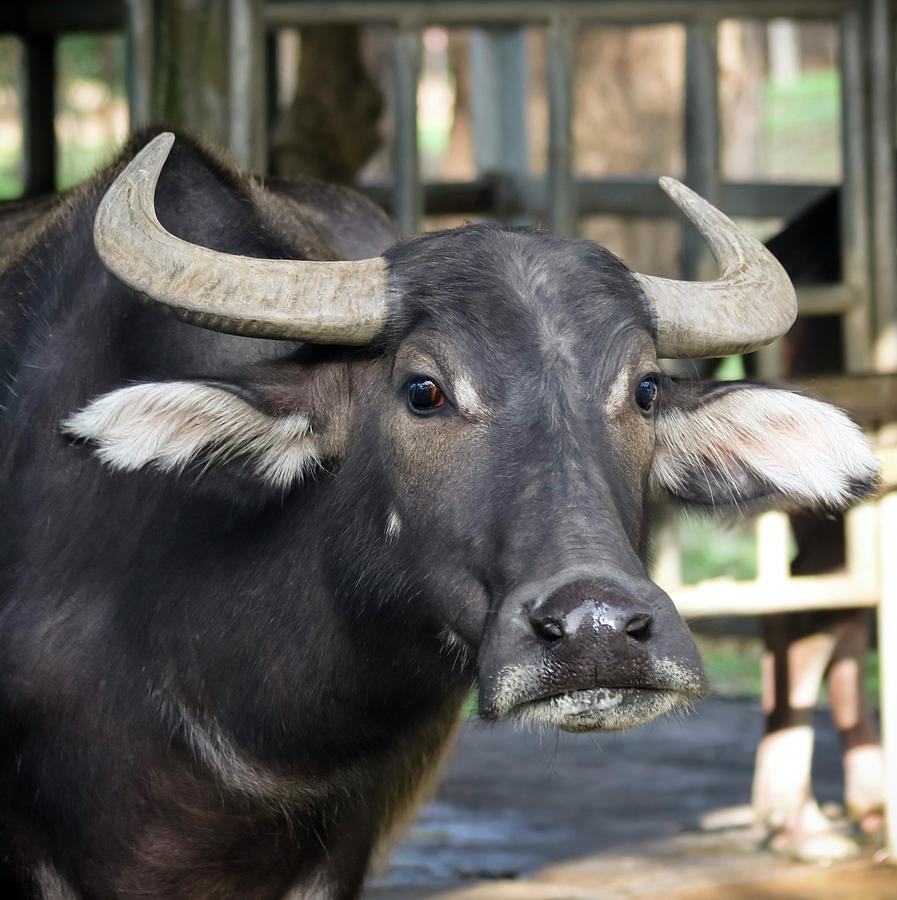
[(330, 129)]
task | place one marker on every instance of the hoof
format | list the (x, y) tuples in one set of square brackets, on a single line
[(823, 847)]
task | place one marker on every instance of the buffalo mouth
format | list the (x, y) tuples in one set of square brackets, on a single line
[(599, 709), (524, 694)]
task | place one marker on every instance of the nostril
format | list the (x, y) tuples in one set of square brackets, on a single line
[(547, 628), (638, 627)]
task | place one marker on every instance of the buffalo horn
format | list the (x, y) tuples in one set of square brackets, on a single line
[(321, 302), (750, 304)]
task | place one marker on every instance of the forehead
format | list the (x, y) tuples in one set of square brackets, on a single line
[(490, 287)]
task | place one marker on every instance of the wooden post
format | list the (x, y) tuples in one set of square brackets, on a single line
[(855, 256), (702, 133), (887, 656), (559, 66), (38, 111), (141, 53), (773, 543), (246, 85), (883, 217), (500, 72), (407, 58)]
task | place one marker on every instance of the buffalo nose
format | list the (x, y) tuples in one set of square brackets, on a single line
[(598, 605)]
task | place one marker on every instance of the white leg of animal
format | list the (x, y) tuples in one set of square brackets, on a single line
[(782, 793), (852, 715)]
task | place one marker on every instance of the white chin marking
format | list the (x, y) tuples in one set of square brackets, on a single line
[(598, 709)]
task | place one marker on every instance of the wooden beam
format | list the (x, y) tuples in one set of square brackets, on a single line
[(48, 18), (867, 398), (476, 12), (725, 597), (631, 196)]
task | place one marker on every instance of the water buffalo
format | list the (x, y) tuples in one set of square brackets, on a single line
[(278, 492)]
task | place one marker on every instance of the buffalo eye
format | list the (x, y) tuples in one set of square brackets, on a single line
[(424, 395), (646, 393)]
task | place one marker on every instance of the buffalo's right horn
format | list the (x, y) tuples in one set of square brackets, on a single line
[(749, 305), (321, 302)]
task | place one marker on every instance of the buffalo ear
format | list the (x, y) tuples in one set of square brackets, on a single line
[(201, 426), (733, 446)]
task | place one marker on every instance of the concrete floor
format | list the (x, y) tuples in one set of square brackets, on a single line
[(521, 816)]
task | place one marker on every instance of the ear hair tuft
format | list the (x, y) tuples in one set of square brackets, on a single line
[(173, 424), (754, 442)]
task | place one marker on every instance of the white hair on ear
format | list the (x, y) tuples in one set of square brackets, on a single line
[(809, 451), (171, 424)]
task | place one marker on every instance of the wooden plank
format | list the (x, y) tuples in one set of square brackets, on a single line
[(632, 196), (476, 12), (48, 18), (867, 398), (829, 299), (725, 597)]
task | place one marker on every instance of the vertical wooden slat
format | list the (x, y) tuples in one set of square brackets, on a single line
[(856, 263), (141, 49), (499, 69), (773, 542), (246, 87), (407, 56), (559, 66), (702, 132), (883, 218), (878, 52), (38, 110), (887, 655), (271, 81)]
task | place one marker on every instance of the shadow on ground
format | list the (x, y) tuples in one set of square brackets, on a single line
[(523, 816)]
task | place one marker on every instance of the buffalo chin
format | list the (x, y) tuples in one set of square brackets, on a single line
[(598, 709)]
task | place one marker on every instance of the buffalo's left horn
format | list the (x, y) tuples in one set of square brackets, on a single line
[(321, 302), (749, 305)]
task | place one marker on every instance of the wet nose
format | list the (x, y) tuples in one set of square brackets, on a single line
[(597, 604)]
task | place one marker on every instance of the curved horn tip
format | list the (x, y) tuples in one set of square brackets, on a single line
[(157, 149), (675, 189)]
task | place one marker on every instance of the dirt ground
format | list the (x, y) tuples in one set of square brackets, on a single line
[(523, 816)]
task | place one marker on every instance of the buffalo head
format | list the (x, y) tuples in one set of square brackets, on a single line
[(479, 419)]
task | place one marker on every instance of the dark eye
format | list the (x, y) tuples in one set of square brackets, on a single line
[(646, 393), (424, 395)]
